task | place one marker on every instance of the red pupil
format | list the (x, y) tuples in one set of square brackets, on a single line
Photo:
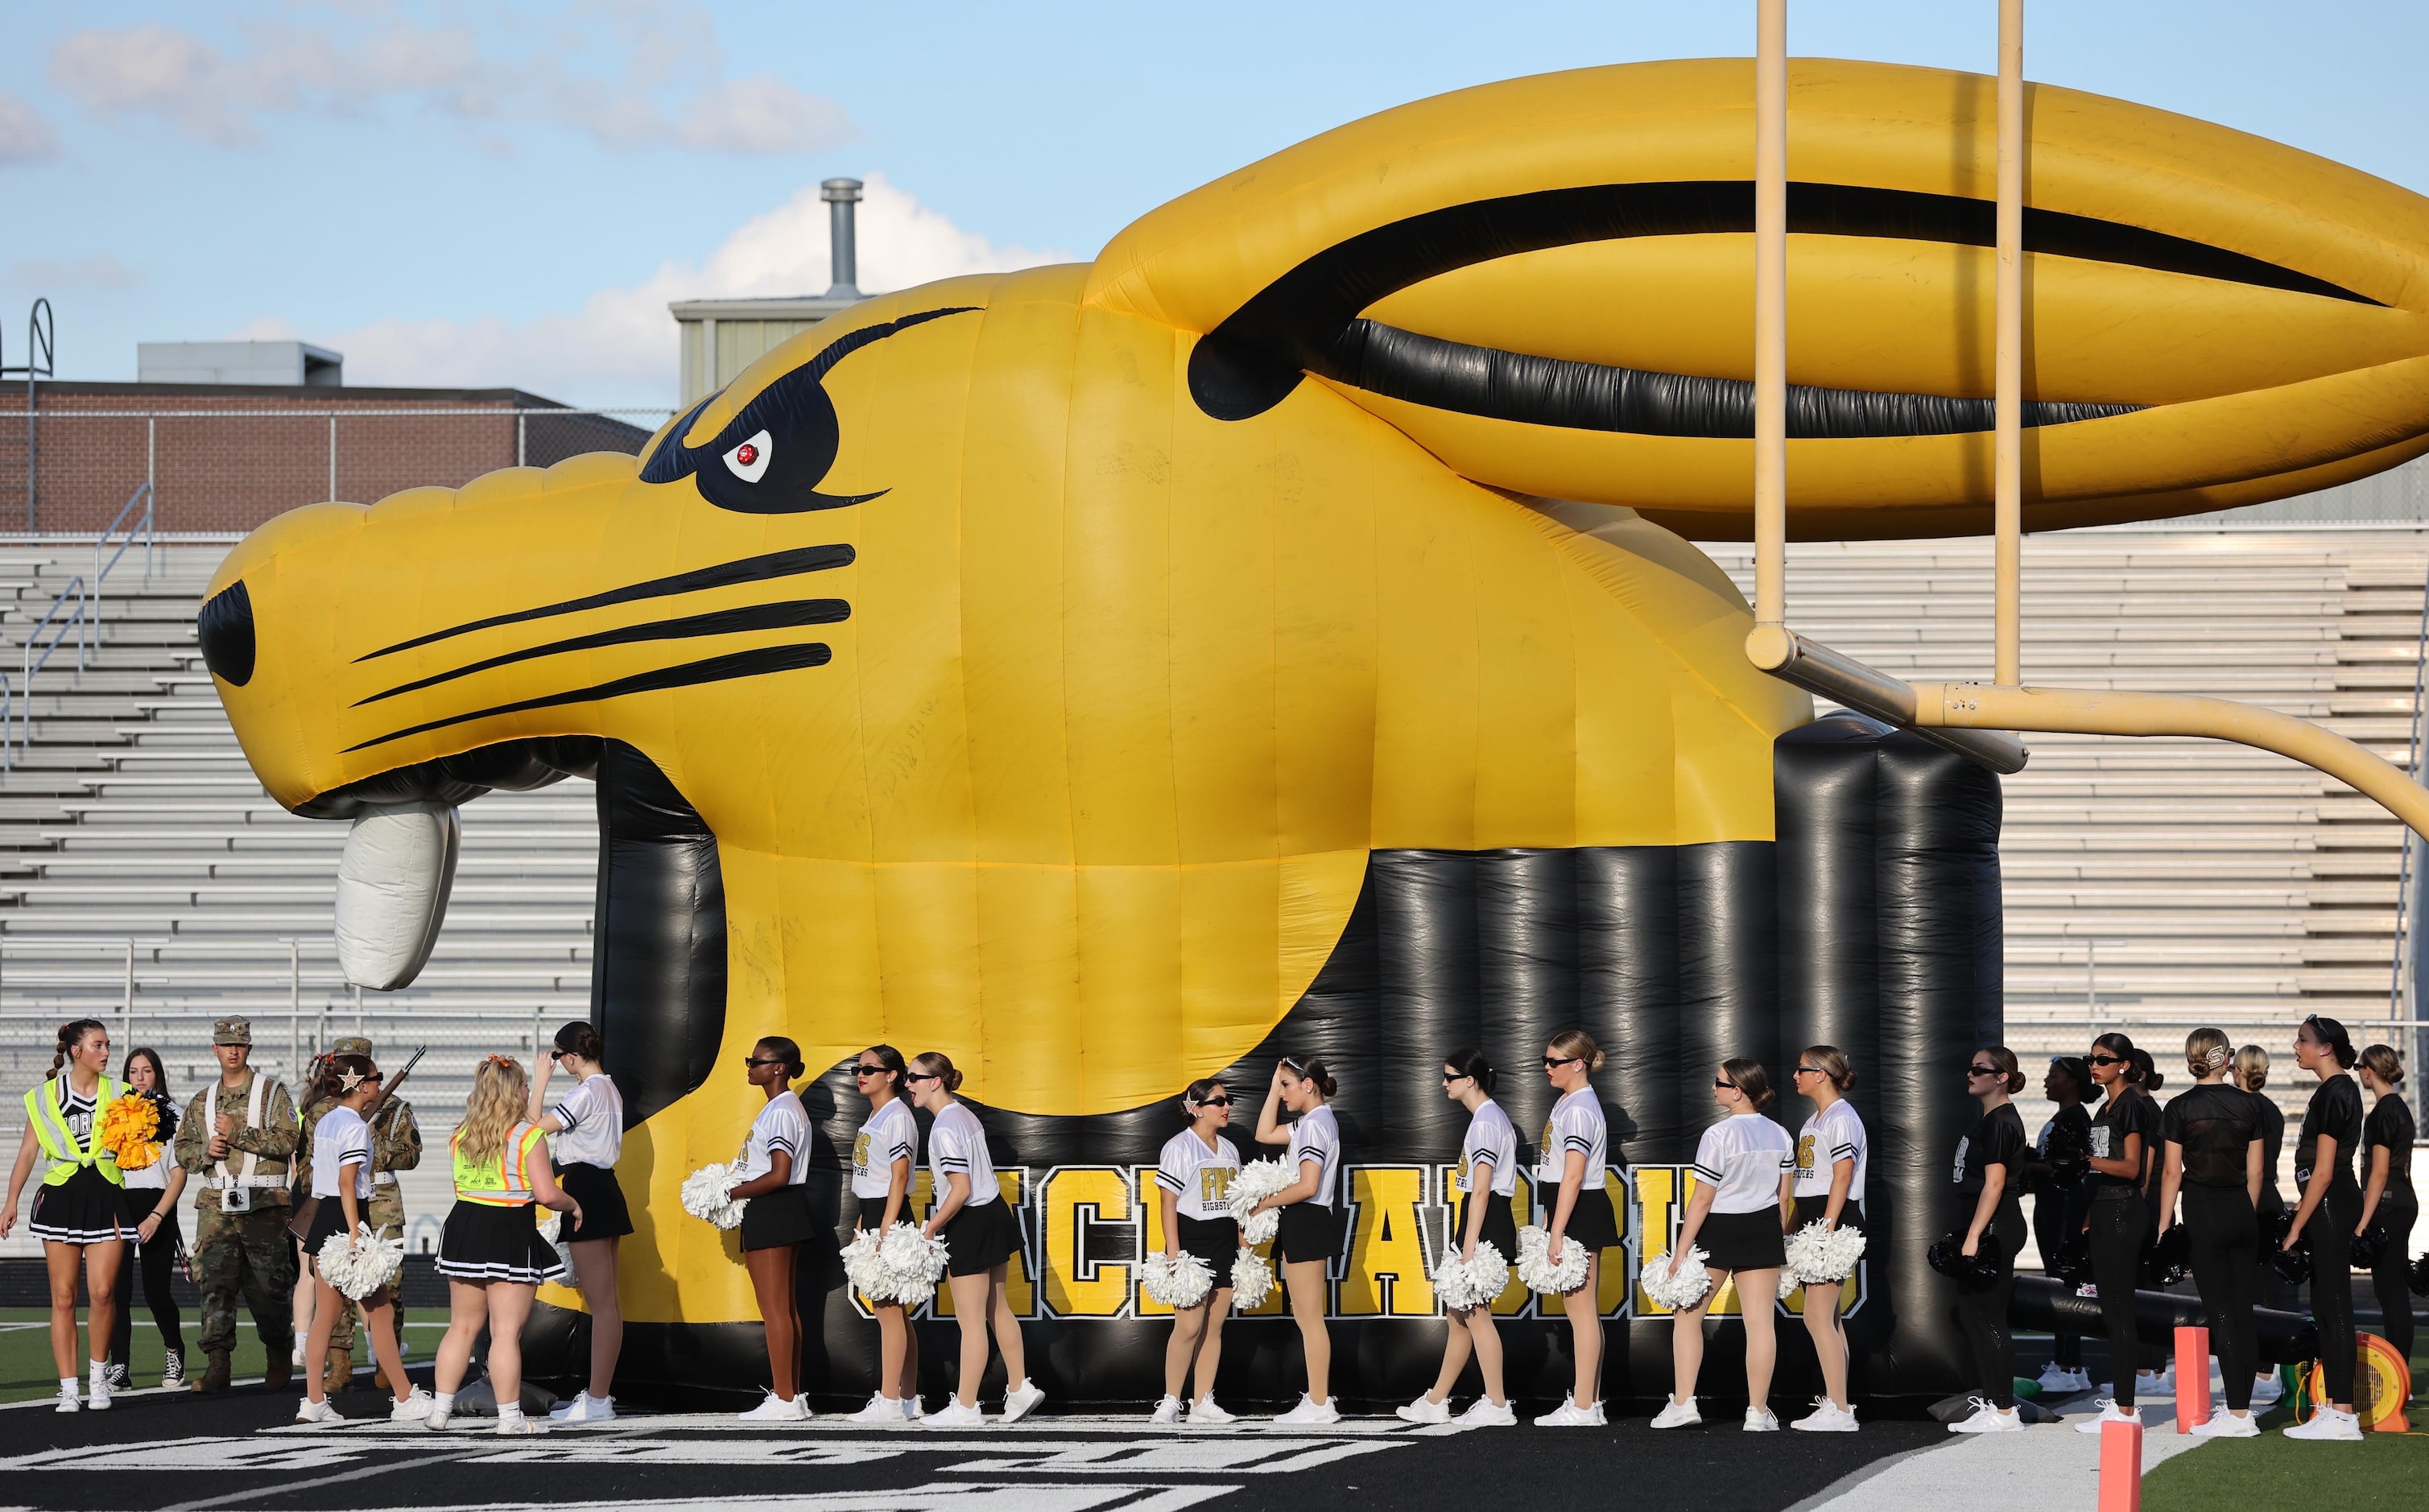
[(746, 454)]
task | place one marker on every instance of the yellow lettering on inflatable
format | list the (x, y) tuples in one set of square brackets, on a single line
[(1614, 1287), (1075, 1200), (1020, 1286), (1515, 1299), (1656, 1213), (1144, 1189), (1387, 1276)]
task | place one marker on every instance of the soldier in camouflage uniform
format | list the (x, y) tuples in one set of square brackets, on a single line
[(396, 1145), (239, 1147)]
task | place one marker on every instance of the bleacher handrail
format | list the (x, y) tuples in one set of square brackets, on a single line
[(84, 590)]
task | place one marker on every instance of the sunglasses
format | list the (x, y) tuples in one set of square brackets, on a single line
[(1216, 1102), (1807, 1070), (920, 1076), (757, 1062), (1450, 1077), (1550, 1061), (868, 1071), (1723, 1081), (1984, 1070), (2105, 1060)]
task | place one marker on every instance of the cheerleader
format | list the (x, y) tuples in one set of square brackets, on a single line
[(586, 1128), (1572, 1164), (1830, 1160), (2054, 1173), (1745, 1181), (2269, 1287), (881, 1155), (2332, 1130), (490, 1249), (1310, 1232), (342, 1193), (1488, 1168), (2213, 1158), (1989, 1181), (775, 1225), (2387, 1199), (152, 1194), (2115, 1218), (80, 1214), (1192, 1177), (981, 1234)]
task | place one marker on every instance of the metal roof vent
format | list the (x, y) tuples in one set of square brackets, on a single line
[(841, 194)]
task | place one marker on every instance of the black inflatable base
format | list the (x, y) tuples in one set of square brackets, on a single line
[(2041, 1304)]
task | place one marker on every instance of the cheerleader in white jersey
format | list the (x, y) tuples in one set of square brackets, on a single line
[(1488, 1178), (1830, 1159), (1192, 1178), (981, 1234), (1310, 1232), (1573, 1169), (1745, 1178), (882, 1156), (777, 1222), (587, 1127)]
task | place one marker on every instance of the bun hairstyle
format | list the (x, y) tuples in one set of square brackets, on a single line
[(2385, 1063), (2146, 1071), (1750, 1078), (1575, 1044), (2122, 1046), (72, 1035), (1471, 1063), (1201, 1090), (329, 1080), (895, 1066), (789, 1053), (2251, 1068), (939, 1064), (2005, 1060), (1833, 1063), (2331, 1034), (582, 1041), (2206, 1051), (1311, 1068), (160, 1073)]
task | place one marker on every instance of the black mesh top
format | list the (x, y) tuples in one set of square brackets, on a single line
[(2215, 1124), (2390, 1123), (2334, 1111), (2128, 1110)]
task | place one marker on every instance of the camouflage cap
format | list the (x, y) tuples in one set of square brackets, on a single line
[(352, 1044), (232, 1032)]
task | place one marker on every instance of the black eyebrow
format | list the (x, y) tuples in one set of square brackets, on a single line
[(721, 574)]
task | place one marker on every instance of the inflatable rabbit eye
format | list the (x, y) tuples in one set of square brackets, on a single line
[(771, 456)]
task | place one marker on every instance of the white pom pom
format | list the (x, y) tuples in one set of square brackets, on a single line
[(706, 1195), (1819, 1257), (552, 1228), (1680, 1289), (1257, 1181), (1252, 1281), (860, 1260), (1178, 1280), (1537, 1269), (361, 1264), (908, 1266), (1460, 1283)]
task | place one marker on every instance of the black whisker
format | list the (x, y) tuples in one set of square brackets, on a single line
[(723, 575), (790, 615), (733, 664)]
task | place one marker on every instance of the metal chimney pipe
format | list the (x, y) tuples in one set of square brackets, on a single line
[(841, 194)]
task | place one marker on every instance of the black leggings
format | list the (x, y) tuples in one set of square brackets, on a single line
[(159, 1262), (1983, 1311), (2390, 1279), (2119, 1226), (2330, 1232), (2224, 1236), (2269, 1287), (2058, 1217)]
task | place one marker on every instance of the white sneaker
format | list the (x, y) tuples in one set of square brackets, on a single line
[(1021, 1401), (1989, 1419), (2059, 1381), (437, 1421), (2266, 1389), (1204, 1410), (519, 1426), (882, 1409), (1168, 1411), (414, 1408), (96, 1389), (1600, 1421), (912, 1411), (1674, 1415), (69, 1400), (1567, 1415), (1827, 1416), (773, 1409), (584, 1408), (954, 1414), (2330, 1424), (2226, 1425), (1762, 1421), (2109, 1412), (1424, 1409), (317, 1414), (1488, 1413), (1309, 1413)]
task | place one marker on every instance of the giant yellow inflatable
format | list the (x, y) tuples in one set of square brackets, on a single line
[(1056, 668)]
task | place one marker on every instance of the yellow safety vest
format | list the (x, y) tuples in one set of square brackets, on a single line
[(496, 1181), (48, 1116)]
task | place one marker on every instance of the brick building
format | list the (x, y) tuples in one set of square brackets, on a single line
[(227, 457)]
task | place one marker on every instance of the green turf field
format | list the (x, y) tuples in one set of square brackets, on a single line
[(2382, 1470), (27, 1371)]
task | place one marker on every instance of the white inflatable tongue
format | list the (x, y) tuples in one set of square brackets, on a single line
[(393, 884)]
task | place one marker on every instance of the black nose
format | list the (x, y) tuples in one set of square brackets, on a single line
[(225, 629)]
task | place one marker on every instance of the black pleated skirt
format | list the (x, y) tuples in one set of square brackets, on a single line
[(1309, 1233), (87, 1208), (1744, 1241), (603, 1213), (780, 1217), (1591, 1221), (1500, 1229), (977, 1239), (483, 1242), (1215, 1240)]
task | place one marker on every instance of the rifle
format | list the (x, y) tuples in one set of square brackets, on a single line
[(388, 1089)]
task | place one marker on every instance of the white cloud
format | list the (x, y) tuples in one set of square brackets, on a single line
[(25, 136), (669, 89), (620, 348), (104, 272)]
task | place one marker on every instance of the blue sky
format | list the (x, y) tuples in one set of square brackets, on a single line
[(507, 194)]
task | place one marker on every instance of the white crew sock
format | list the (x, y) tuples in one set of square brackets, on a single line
[(509, 1411), (443, 1401), (68, 1385)]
